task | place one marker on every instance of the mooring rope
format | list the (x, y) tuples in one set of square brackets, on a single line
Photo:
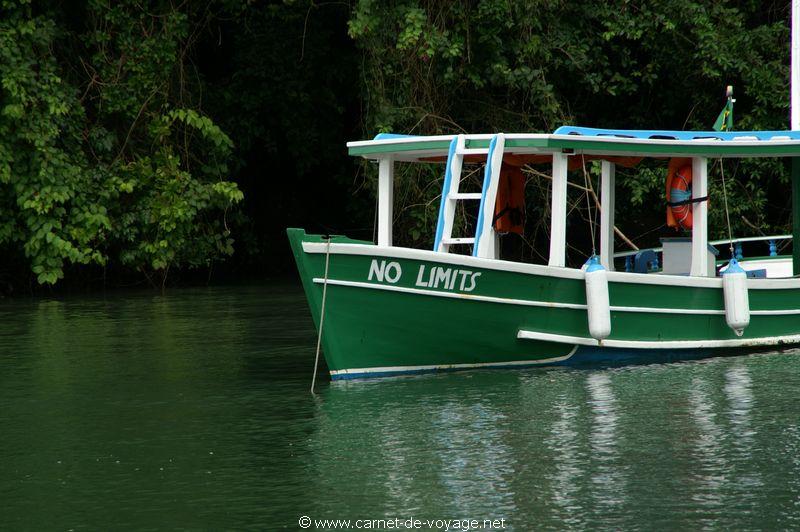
[(592, 220), (322, 311)]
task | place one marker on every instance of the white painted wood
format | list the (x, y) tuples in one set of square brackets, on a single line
[(777, 268), (672, 344), (450, 295), (642, 146), (700, 260), (795, 69), (716, 243), (412, 369), (558, 212), (473, 151), (488, 240), (535, 303), (789, 312), (462, 240), (773, 141), (466, 196), (677, 258), (538, 269), (385, 200), (450, 203), (751, 239), (607, 179)]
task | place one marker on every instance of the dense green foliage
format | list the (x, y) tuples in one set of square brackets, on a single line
[(533, 65), (141, 138), (103, 156)]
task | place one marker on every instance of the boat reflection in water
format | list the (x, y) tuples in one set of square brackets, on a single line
[(677, 445)]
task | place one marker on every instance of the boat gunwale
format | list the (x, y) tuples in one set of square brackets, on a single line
[(541, 269)]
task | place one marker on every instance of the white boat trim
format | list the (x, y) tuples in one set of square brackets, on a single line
[(452, 295), (537, 269), (594, 145), (782, 312), (429, 138), (440, 367), (444, 258), (610, 139), (534, 303), (671, 344), (714, 243)]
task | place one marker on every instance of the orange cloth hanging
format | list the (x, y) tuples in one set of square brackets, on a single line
[(509, 208)]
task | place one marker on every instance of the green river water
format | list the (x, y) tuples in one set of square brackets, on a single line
[(192, 411)]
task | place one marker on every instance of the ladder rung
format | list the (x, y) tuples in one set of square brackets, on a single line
[(468, 240), (473, 151), (465, 195)]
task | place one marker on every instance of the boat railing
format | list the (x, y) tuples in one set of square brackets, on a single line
[(772, 241)]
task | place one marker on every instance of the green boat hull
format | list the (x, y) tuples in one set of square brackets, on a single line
[(395, 310)]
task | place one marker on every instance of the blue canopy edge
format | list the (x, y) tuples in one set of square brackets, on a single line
[(648, 134)]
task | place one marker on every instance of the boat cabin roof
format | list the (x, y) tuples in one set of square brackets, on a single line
[(591, 141)]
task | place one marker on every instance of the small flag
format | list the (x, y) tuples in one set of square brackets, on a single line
[(725, 119)]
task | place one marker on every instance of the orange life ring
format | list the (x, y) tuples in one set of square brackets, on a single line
[(679, 188)]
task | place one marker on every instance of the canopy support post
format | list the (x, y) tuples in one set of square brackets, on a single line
[(795, 67), (486, 239), (795, 215), (607, 178), (795, 125), (385, 200), (700, 265), (558, 212)]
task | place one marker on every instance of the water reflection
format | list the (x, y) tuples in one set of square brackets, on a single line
[(608, 477), (419, 439), (470, 440), (563, 440), (676, 445), (738, 390), (789, 457), (193, 411), (709, 474)]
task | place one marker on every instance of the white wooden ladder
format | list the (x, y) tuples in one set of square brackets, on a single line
[(484, 243)]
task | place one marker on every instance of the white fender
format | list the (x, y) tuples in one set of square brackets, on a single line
[(597, 303), (737, 301)]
